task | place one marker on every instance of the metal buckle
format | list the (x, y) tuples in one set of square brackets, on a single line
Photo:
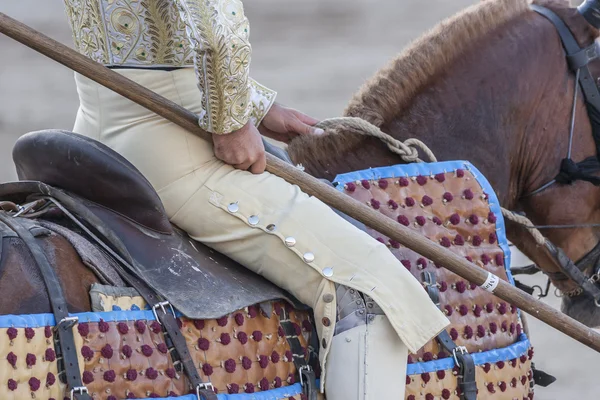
[(462, 349), (79, 390), (69, 321), (162, 305), (203, 386), (308, 368)]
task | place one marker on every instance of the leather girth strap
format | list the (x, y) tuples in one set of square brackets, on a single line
[(305, 371), (65, 346), (464, 361), (578, 60), (162, 309)]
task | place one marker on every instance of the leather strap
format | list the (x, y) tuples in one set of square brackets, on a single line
[(305, 371), (162, 309), (541, 378), (577, 57), (571, 270), (64, 323), (466, 375)]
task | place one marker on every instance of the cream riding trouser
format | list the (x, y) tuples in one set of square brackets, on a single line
[(271, 227)]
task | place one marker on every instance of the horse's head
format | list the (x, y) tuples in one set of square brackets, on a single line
[(491, 85)]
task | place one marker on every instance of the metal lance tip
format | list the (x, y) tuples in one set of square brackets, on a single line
[(590, 9)]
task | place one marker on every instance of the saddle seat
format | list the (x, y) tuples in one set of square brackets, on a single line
[(198, 281)]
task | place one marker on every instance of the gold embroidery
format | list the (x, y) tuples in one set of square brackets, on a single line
[(212, 35)]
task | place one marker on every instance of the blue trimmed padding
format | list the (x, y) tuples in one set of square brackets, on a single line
[(273, 394), (404, 170), (428, 169), (511, 352)]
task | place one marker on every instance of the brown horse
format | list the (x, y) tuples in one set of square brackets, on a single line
[(490, 85)]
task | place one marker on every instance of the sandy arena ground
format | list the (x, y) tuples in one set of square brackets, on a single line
[(315, 53)]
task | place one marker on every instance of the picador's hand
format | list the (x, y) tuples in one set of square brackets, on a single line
[(284, 124), (243, 149)]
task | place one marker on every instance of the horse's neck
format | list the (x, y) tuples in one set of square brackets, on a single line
[(504, 106)]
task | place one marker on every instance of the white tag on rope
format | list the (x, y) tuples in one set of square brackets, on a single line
[(490, 283)]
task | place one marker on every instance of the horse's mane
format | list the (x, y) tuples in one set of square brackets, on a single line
[(394, 86)]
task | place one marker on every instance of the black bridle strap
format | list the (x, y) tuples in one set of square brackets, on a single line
[(578, 60), (64, 323)]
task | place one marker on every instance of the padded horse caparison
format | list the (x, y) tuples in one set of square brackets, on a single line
[(196, 280)]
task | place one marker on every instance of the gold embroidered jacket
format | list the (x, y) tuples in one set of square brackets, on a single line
[(211, 35)]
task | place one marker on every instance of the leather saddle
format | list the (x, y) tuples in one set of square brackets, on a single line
[(198, 281)]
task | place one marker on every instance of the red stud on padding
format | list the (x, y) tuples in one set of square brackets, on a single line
[(403, 182), (426, 201), (493, 327), (204, 344), (147, 350), (50, 379), (246, 363), (454, 219), (350, 186), (87, 377), (103, 326), (468, 194), (421, 180), (225, 339), (480, 331), (29, 334), (198, 323), (34, 384), (12, 333), (459, 240), (468, 332), (30, 360), (392, 204), (206, 368), (445, 242), (375, 204), (49, 355), (365, 183), (447, 197), (440, 177), (12, 359), (382, 183), (131, 374), (109, 376), (126, 350), (403, 219)]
